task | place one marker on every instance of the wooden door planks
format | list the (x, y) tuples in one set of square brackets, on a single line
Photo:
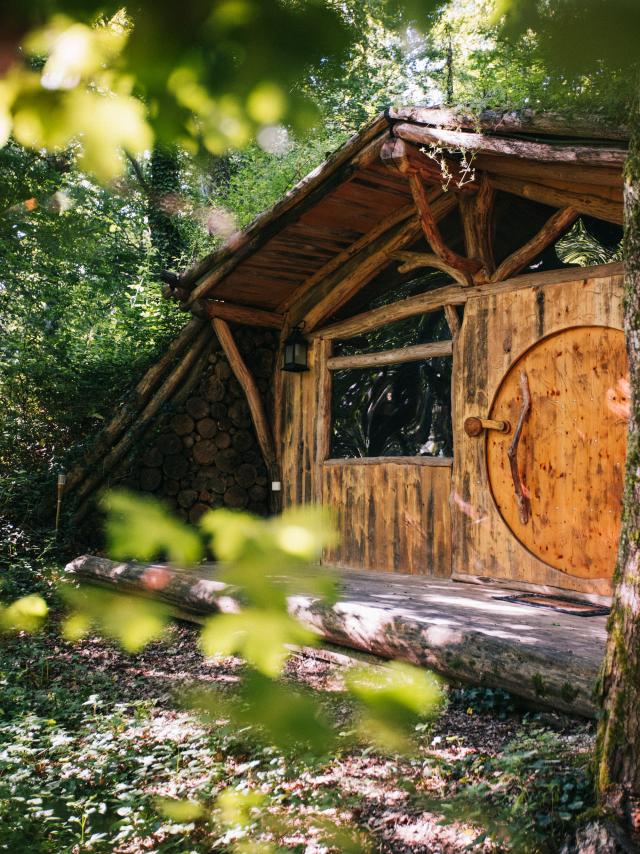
[(497, 328), (571, 454)]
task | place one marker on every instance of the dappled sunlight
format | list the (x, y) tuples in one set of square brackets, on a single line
[(489, 606)]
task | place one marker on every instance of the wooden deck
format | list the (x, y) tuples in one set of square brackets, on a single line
[(466, 632)]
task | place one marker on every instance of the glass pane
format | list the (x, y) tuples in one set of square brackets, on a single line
[(393, 411), (420, 329), (389, 286)]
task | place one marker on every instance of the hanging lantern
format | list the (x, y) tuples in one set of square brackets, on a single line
[(295, 351)]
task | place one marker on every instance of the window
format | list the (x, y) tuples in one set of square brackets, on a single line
[(393, 410)]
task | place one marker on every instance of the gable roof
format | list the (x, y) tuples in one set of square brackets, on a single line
[(352, 199)]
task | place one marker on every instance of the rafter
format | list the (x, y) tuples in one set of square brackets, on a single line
[(432, 232), (237, 313), (585, 204), (419, 260), (591, 155), (553, 228)]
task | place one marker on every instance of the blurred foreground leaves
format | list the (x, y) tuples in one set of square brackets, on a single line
[(263, 560), (208, 74)]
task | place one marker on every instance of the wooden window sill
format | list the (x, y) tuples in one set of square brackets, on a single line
[(442, 462)]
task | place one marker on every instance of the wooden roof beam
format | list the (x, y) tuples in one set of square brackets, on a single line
[(419, 260), (525, 121), (404, 159), (585, 204), (361, 150), (555, 226), (337, 262), (338, 288), (238, 313), (400, 157), (457, 295), (587, 155)]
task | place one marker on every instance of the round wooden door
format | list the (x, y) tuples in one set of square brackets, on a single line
[(557, 475)]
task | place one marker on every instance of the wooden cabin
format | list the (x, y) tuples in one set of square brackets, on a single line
[(458, 287)]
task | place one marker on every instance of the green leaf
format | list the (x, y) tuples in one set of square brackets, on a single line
[(288, 719), (26, 614), (141, 527), (132, 621), (179, 811), (393, 699), (260, 637)]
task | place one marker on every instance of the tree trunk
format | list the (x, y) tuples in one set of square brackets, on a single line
[(618, 757)]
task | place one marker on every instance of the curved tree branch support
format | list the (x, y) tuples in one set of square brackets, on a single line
[(254, 401)]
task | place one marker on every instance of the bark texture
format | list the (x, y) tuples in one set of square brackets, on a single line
[(618, 776)]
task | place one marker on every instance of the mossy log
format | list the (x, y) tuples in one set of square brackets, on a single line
[(461, 631)]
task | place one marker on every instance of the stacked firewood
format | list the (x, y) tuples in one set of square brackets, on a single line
[(204, 451), (185, 432)]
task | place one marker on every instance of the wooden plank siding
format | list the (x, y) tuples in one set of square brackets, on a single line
[(496, 330), (428, 517), (390, 517)]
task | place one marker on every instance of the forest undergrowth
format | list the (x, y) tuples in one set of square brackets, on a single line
[(99, 751)]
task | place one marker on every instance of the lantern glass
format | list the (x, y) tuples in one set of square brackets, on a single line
[(295, 352)]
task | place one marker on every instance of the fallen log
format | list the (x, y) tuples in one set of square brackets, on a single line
[(465, 632)]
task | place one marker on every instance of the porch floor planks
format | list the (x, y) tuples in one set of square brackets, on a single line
[(459, 630)]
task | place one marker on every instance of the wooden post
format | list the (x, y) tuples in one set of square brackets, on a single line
[(323, 413), (453, 320), (248, 385), (483, 221)]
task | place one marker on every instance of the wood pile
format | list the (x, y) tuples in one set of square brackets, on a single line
[(204, 452), (185, 432)]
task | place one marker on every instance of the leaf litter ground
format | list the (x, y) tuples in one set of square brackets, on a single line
[(91, 738)]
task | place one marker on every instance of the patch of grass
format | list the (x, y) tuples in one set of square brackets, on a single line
[(94, 745)]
